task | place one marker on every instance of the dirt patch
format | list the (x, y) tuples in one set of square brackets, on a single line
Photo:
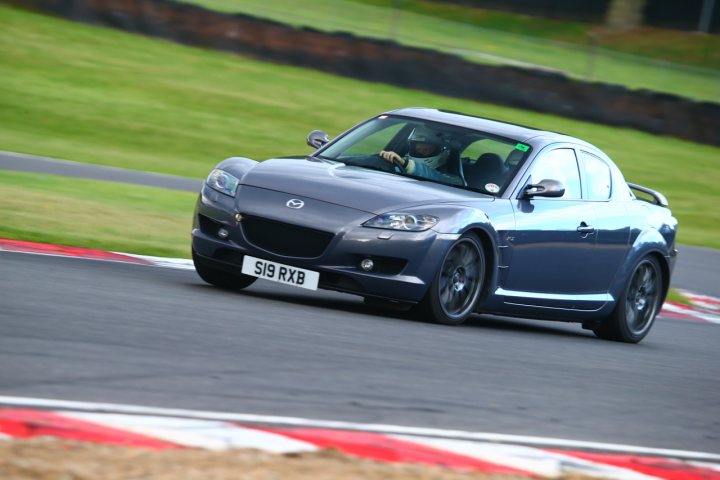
[(47, 458)]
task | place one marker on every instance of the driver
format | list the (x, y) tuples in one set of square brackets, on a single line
[(427, 153)]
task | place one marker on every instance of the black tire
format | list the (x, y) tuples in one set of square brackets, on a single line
[(452, 296), (221, 278), (636, 309)]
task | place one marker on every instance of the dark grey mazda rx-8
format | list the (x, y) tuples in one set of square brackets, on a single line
[(447, 214)]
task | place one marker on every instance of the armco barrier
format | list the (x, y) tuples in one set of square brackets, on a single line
[(388, 62)]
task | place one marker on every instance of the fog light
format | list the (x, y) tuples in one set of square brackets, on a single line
[(222, 233), (367, 264), (238, 217)]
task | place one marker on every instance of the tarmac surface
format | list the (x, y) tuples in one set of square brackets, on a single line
[(89, 330)]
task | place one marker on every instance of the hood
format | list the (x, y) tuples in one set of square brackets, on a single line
[(355, 187)]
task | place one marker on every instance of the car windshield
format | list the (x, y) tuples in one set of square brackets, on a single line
[(432, 151)]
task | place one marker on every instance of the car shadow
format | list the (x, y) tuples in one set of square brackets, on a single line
[(354, 304), (493, 322)]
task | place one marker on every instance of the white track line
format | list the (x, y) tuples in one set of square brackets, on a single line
[(166, 262), (379, 428)]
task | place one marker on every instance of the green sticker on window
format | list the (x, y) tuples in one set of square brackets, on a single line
[(522, 147)]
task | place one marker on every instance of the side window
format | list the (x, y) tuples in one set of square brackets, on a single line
[(559, 164), (596, 174)]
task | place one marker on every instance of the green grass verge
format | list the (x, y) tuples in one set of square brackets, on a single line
[(494, 35), (102, 96), (677, 297), (89, 213)]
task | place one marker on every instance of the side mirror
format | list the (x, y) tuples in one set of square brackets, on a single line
[(317, 138), (546, 188)]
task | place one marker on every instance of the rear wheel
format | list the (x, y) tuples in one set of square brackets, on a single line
[(221, 278), (457, 285), (635, 311)]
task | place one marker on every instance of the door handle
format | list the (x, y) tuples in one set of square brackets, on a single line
[(585, 229)]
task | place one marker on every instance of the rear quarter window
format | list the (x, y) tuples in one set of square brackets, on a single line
[(596, 177)]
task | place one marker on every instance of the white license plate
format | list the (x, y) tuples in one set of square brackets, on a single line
[(277, 272)]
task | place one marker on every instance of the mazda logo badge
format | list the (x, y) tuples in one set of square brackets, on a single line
[(295, 203)]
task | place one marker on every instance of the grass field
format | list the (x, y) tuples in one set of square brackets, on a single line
[(101, 96), (104, 215), (662, 59), (687, 48)]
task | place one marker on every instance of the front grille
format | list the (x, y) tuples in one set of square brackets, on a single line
[(284, 238)]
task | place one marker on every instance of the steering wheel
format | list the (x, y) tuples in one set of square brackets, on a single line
[(376, 161)]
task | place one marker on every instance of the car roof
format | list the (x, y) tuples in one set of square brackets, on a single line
[(522, 133)]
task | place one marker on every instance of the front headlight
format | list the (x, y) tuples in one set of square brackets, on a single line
[(223, 182), (402, 221)]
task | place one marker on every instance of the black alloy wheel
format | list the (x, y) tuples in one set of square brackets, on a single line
[(635, 311), (457, 285)]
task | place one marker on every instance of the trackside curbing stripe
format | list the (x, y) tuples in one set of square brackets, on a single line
[(35, 423), (189, 432), (540, 462), (709, 302), (687, 311), (21, 246), (485, 457), (177, 263), (668, 469), (676, 310), (378, 428), (385, 448)]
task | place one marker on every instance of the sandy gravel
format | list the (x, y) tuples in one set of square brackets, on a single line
[(52, 459)]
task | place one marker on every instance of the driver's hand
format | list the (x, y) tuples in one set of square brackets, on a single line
[(393, 157)]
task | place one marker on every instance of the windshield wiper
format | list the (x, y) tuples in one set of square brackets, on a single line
[(323, 158)]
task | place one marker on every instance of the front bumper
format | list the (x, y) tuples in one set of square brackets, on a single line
[(405, 262)]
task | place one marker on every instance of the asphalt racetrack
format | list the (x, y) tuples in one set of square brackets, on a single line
[(99, 331), (88, 330)]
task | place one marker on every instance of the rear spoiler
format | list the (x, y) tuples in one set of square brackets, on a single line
[(658, 198)]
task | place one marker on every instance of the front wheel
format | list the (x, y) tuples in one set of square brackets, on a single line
[(635, 311), (221, 278), (457, 285)]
